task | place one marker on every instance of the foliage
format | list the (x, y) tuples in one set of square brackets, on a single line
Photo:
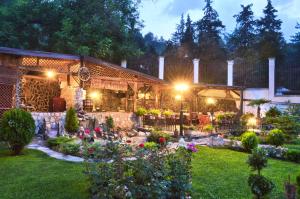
[(258, 159), (70, 148), (191, 127), (260, 185), (293, 109), (150, 145), (168, 113), (72, 123), (270, 35), (287, 123), (298, 184), (275, 137), (245, 117), (155, 135), (103, 29), (249, 140), (17, 128), (154, 112), (273, 112), (141, 112), (225, 117), (56, 142), (152, 174), (242, 40), (110, 122), (208, 128), (293, 155)]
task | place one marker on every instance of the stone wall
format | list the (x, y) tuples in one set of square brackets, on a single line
[(123, 120), (51, 118)]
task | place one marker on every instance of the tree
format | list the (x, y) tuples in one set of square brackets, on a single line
[(72, 123), (210, 43), (179, 33), (103, 29), (296, 44), (243, 38), (257, 103), (270, 36)]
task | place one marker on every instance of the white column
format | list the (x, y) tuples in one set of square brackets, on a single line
[(271, 78), (196, 71), (124, 63), (230, 72), (161, 67)]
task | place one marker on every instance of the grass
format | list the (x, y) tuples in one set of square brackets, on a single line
[(34, 175), (217, 173), (222, 173)]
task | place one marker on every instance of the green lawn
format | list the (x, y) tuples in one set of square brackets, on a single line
[(221, 173), (217, 173)]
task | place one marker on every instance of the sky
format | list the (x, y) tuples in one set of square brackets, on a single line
[(161, 16)]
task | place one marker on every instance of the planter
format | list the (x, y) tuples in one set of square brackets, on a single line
[(188, 133)]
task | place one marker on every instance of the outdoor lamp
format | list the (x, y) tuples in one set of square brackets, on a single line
[(252, 122), (50, 74), (94, 95), (210, 101), (178, 97), (181, 87)]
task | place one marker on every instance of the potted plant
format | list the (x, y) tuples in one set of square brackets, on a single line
[(140, 114), (188, 130)]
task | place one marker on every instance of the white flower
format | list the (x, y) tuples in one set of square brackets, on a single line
[(181, 143)]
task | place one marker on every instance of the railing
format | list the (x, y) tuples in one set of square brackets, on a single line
[(287, 77)]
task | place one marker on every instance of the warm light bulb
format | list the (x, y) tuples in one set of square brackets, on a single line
[(50, 74), (181, 87), (251, 121), (210, 101), (94, 95), (178, 97)]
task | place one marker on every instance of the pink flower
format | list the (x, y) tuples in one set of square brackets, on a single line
[(162, 140), (192, 147), (81, 137), (87, 131), (91, 150), (141, 145)]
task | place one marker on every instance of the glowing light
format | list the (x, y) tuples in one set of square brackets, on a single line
[(181, 87), (211, 101), (50, 74), (251, 121), (178, 97), (95, 95)]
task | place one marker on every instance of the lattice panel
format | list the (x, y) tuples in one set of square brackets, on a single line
[(6, 97), (58, 65), (102, 71)]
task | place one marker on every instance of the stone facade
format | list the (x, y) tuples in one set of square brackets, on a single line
[(52, 119)]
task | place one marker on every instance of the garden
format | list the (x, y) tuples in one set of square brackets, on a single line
[(232, 157)]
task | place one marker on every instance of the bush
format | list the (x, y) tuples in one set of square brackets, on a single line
[(287, 123), (17, 128), (273, 112), (54, 143), (168, 113), (249, 140), (141, 112), (110, 122), (208, 128), (70, 148), (298, 184), (275, 137), (72, 123), (260, 185), (154, 112), (153, 173), (293, 155), (156, 135), (258, 159), (150, 145)]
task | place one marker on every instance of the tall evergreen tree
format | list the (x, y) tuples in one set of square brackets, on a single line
[(179, 33), (189, 33), (296, 44), (210, 42), (243, 38), (269, 28)]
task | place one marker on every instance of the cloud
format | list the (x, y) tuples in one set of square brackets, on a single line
[(178, 7)]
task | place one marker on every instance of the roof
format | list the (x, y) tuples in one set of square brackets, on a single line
[(59, 56)]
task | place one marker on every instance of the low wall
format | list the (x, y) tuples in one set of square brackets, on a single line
[(123, 120)]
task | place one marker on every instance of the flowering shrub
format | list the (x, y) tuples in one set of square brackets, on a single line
[(156, 136), (117, 171)]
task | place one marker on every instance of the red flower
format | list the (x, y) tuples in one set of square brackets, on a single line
[(97, 129), (87, 131), (81, 137), (128, 141), (162, 140), (141, 145)]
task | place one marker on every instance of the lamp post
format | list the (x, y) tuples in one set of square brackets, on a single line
[(211, 102), (181, 88)]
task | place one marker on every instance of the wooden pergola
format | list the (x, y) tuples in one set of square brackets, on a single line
[(16, 64)]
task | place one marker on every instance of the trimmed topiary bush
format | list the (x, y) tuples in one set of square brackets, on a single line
[(275, 137), (72, 123), (258, 160), (260, 186), (249, 140), (17, 128), (110, 122)]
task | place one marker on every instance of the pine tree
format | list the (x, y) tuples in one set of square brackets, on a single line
[(242, 40), (178, 35), (188, 36), (296, 40), (269, 28), (209, 39)]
